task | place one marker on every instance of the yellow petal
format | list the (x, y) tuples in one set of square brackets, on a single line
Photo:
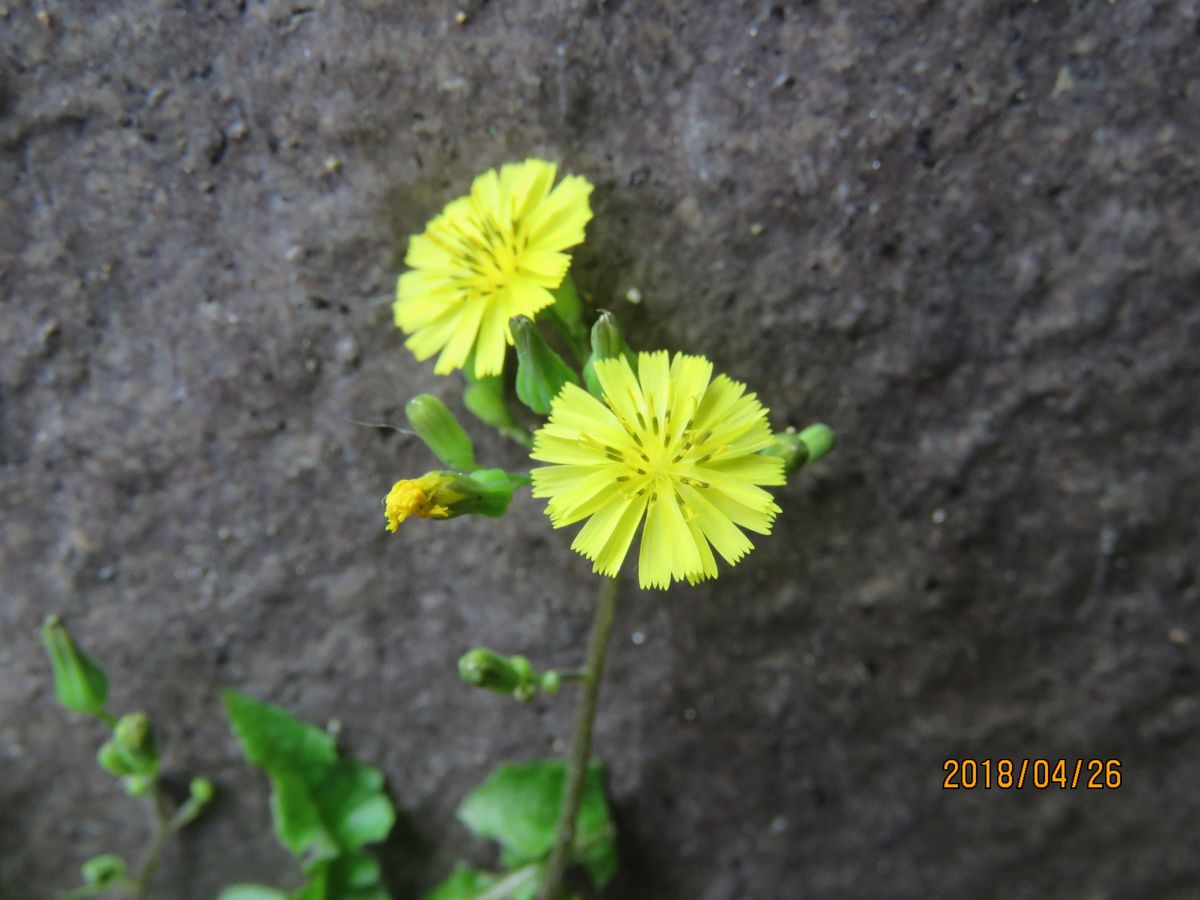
[(608, 560)]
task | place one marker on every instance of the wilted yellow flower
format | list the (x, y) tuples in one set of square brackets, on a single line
[(671, 444), (447, 495), (491, 255), (423, 497)]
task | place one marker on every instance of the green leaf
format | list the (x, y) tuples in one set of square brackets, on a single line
[(519, 805), (251, 892), (463, 884), (320, 804), (468, 884), (351, 876)]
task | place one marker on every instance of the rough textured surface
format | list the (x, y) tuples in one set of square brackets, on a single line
[(964, 234)]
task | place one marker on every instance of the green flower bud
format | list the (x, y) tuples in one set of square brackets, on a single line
[(112, 760), (551, 682), (484, 668), (201, 791), (607, 342), (819, 439), (797, 450), (102, 870), (134, 740), (445, 495), (437, 427), (79, 682), (541, 373), (484, 397), (138, 785)]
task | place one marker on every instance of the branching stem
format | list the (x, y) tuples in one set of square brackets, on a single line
[(162, 829)]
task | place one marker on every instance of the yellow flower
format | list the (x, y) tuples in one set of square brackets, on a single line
[(491, 255), (447, 495), (425, 497), (674, 445)]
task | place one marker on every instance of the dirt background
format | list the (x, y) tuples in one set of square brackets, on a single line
[(964, 234)]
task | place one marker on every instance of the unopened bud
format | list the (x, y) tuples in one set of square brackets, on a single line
[(819, 439), (102, 870), (201, 791), (484, 668), (79, 682), (607, 342), (138, 785), (441, 432), (800, 449), (112, 760), (541, 373), (133, 738)]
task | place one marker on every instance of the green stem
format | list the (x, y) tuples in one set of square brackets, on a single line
[(162, 828), (581, 747), (510, 883)]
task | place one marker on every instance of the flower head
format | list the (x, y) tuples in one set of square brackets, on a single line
[(491, 255), (424, 497), (670, 444), (445, 495)]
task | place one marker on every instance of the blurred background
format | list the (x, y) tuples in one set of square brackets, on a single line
[(964, 234)]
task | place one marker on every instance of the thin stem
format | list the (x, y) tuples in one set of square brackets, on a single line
[(511, 882), (581, 746), (162, 828)]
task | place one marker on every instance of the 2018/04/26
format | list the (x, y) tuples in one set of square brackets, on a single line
[(1092, 774)]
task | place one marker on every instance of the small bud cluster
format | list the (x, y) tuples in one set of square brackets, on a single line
[(486, 669)]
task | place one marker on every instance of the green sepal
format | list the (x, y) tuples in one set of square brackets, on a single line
[(111, 760), (79, 683), (138, 785), (131, 754), (819, 439), (607, 342), (441, 431), (484, 399), (486, 669), (485, 492), (102, 870), (541, 373), (567, 315), (799, 449)]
